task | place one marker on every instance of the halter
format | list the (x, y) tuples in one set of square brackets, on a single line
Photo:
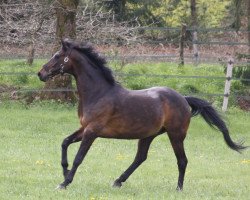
[(65, 60)]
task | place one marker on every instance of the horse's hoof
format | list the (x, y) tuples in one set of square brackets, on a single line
[(179, 189), (61, 187), (117, 184)]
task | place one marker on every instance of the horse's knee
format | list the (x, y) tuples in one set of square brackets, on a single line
[(65, 143), (144, 158), (182, 163), (140, 159), (64, 162)]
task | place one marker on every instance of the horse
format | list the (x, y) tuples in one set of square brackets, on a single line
[(108, 110)]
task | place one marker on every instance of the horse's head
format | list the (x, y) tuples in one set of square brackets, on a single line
[(60, 63)]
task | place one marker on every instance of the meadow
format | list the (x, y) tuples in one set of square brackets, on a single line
[(30, 152), (205, 80), (132, 75), (31, 137)]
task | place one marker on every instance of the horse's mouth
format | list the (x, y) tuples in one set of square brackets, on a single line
[(44, 78)]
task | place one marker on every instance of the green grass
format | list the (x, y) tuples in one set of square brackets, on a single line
[(132, 82), (30, 152), (19, 66), (31, 139), (183, 85), (186, 86)]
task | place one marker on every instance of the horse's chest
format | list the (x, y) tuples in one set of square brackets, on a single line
[(84, 116), (92, 117)]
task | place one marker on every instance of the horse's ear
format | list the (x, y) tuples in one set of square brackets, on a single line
[(65, 44)]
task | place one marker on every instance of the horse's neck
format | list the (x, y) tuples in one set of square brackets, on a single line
[(91, 86)]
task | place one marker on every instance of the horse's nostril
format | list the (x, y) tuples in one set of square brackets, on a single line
[(39, 74)]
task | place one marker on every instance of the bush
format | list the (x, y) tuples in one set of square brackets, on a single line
[(243, 72)]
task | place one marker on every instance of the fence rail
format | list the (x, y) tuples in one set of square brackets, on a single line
[(133, 74), (192, 29), (131, 58), (36, 90)]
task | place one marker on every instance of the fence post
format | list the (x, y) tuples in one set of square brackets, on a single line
[(182, 38), (31, 54), (227, 83)]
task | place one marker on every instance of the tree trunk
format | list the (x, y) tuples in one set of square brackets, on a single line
[(31, 49), (31, 53), (181, 45), (119, 9), (65, 28), (237, 15), (194, 27)]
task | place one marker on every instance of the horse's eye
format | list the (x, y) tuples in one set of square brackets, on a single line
[(57, 56)]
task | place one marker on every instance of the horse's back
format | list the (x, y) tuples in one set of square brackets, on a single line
[(164, 95)]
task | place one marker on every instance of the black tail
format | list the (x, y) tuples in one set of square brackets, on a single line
[(212, 117)]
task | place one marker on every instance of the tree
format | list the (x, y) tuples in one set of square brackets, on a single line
[(65, 28), (118, 7)]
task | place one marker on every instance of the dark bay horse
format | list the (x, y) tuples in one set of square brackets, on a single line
[(108, 110)]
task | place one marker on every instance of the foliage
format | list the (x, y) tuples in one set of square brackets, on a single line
[(242, 72), (175, 12)]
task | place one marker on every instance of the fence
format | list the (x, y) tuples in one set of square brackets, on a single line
[(177, 53), (226, 94)]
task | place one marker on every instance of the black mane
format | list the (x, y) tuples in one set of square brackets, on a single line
[(99, 61)]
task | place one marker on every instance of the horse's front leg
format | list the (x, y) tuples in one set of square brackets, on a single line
[(88, 138), (75, 137)]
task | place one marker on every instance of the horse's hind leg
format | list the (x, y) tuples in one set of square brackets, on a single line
[(75, 137), (141, 156), (176, 140)]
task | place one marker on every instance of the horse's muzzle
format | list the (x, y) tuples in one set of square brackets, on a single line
[(42, 76)]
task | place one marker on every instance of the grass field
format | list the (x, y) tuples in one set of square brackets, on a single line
[(30, 153), (31, 137), (150, 75), (183, 85)]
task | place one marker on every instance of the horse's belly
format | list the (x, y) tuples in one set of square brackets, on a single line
[(126, 134), (133, 126)]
